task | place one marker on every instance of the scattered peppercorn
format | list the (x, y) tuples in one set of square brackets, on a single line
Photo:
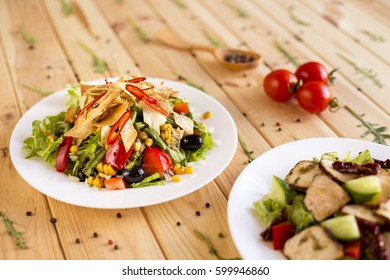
[(48, 67), (48, 77), (110, 242), (197, 213), (118, 215), (95, 235), (116, 247), (207, 204), (277, 124), (178, 223), (262, 124), (220, 235), (28, 213), (31, 47), (238, 58), (298, 120), (53, 220), (78, 241), (279, 129)]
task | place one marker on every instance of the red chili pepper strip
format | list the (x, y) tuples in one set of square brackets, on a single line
[(150, 101), (136, 80), (62, 154), (117, 127), (89, 105)]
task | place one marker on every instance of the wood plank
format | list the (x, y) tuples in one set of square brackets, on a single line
[(260, 32), (328, 46), (355, 21), (17, 197)]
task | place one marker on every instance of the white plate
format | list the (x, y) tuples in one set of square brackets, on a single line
[(252, 184), (45, 179)]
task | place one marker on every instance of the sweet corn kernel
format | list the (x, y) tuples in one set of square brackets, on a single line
[(51, 137), (149, 142), (99, 167), (137, 146), (98, 182), (105, 168), (74, 149), (176, 178), (166, 126), (170, 140), (177, 166), (180, 170), (110, 170), (142, 135), (102, 175), (189, 169), (207, 115), (90, 180)]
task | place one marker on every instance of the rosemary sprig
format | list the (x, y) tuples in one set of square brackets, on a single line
[(28, 38), (288, 55), (189, 82), (38, 90), (66, 8), (240, 12), (180, 4), (213, 41), (366, 72), (11, 230), (295, 18), (142, 35), (212, 250), (245, 147), (373, 36), (374, 129), (99, 64)]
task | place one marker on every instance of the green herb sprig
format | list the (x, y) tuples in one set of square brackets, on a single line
[(11, 230), (286, 53), (373, 36), (28, 38), (295, 18), (246, 150), (66, 8), (374, 129), (189, 82), (240, 12), (216, 43), (142, 35), (366, 72), (100, 66), (180, 4), (212, 250), (38, 90)]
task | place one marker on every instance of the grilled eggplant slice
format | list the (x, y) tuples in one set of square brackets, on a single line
[(339, 177), (324, 197), (302, 174), (386, 240), (384, 210), (313, 243), (362, 212)]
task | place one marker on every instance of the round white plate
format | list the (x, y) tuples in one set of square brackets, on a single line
[(252, 184), (45, 179)]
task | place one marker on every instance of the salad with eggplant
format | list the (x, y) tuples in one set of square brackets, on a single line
[(125, 134), (329, 208)]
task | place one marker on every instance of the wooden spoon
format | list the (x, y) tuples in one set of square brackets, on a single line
[(233, 59)]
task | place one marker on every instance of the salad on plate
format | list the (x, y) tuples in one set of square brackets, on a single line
[(329, 208), (130, 133)]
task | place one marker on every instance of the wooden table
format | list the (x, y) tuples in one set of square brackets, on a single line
[(352, 36)]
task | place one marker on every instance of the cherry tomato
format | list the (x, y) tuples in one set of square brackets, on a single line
[(155, 161), (117, 156), (312, 71), (279, 85), (63, 153), (181, 107), (314, 96)]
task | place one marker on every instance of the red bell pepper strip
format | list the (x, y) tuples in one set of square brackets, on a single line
[(136, 80), (150, 101), (89, 105), (354, 249), (280, 233), (62, 154), (117, 127), (117, 156)]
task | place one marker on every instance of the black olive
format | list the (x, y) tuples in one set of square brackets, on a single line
[(134, 175), (82, 177), (191, 142)]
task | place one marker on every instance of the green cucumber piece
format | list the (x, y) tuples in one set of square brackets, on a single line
[(343, 228), (363, 189), (281, 192)]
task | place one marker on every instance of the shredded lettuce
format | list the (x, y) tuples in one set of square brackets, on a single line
[(298, 214), (192, 156), (46, 137), (267, 210), (74, 94), (363, 158), (152, 180)]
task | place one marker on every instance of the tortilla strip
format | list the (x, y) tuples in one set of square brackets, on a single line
[(113, 117), (128, 134), (184, 122)]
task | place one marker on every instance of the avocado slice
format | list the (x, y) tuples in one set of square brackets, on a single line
[(363, 189), (343, 228)]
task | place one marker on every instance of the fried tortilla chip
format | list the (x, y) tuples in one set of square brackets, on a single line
[(113, 116)]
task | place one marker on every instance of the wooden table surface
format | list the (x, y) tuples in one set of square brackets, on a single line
[(352, 36)]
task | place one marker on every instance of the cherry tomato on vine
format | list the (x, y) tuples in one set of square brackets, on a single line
[(312, 71), (279, 85), (314, 96)]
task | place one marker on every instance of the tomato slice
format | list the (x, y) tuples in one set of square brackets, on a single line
[(155, 161), (117, 156), (280, 233), (354, 249), (62, 154), (116, 183), (181, 108)]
